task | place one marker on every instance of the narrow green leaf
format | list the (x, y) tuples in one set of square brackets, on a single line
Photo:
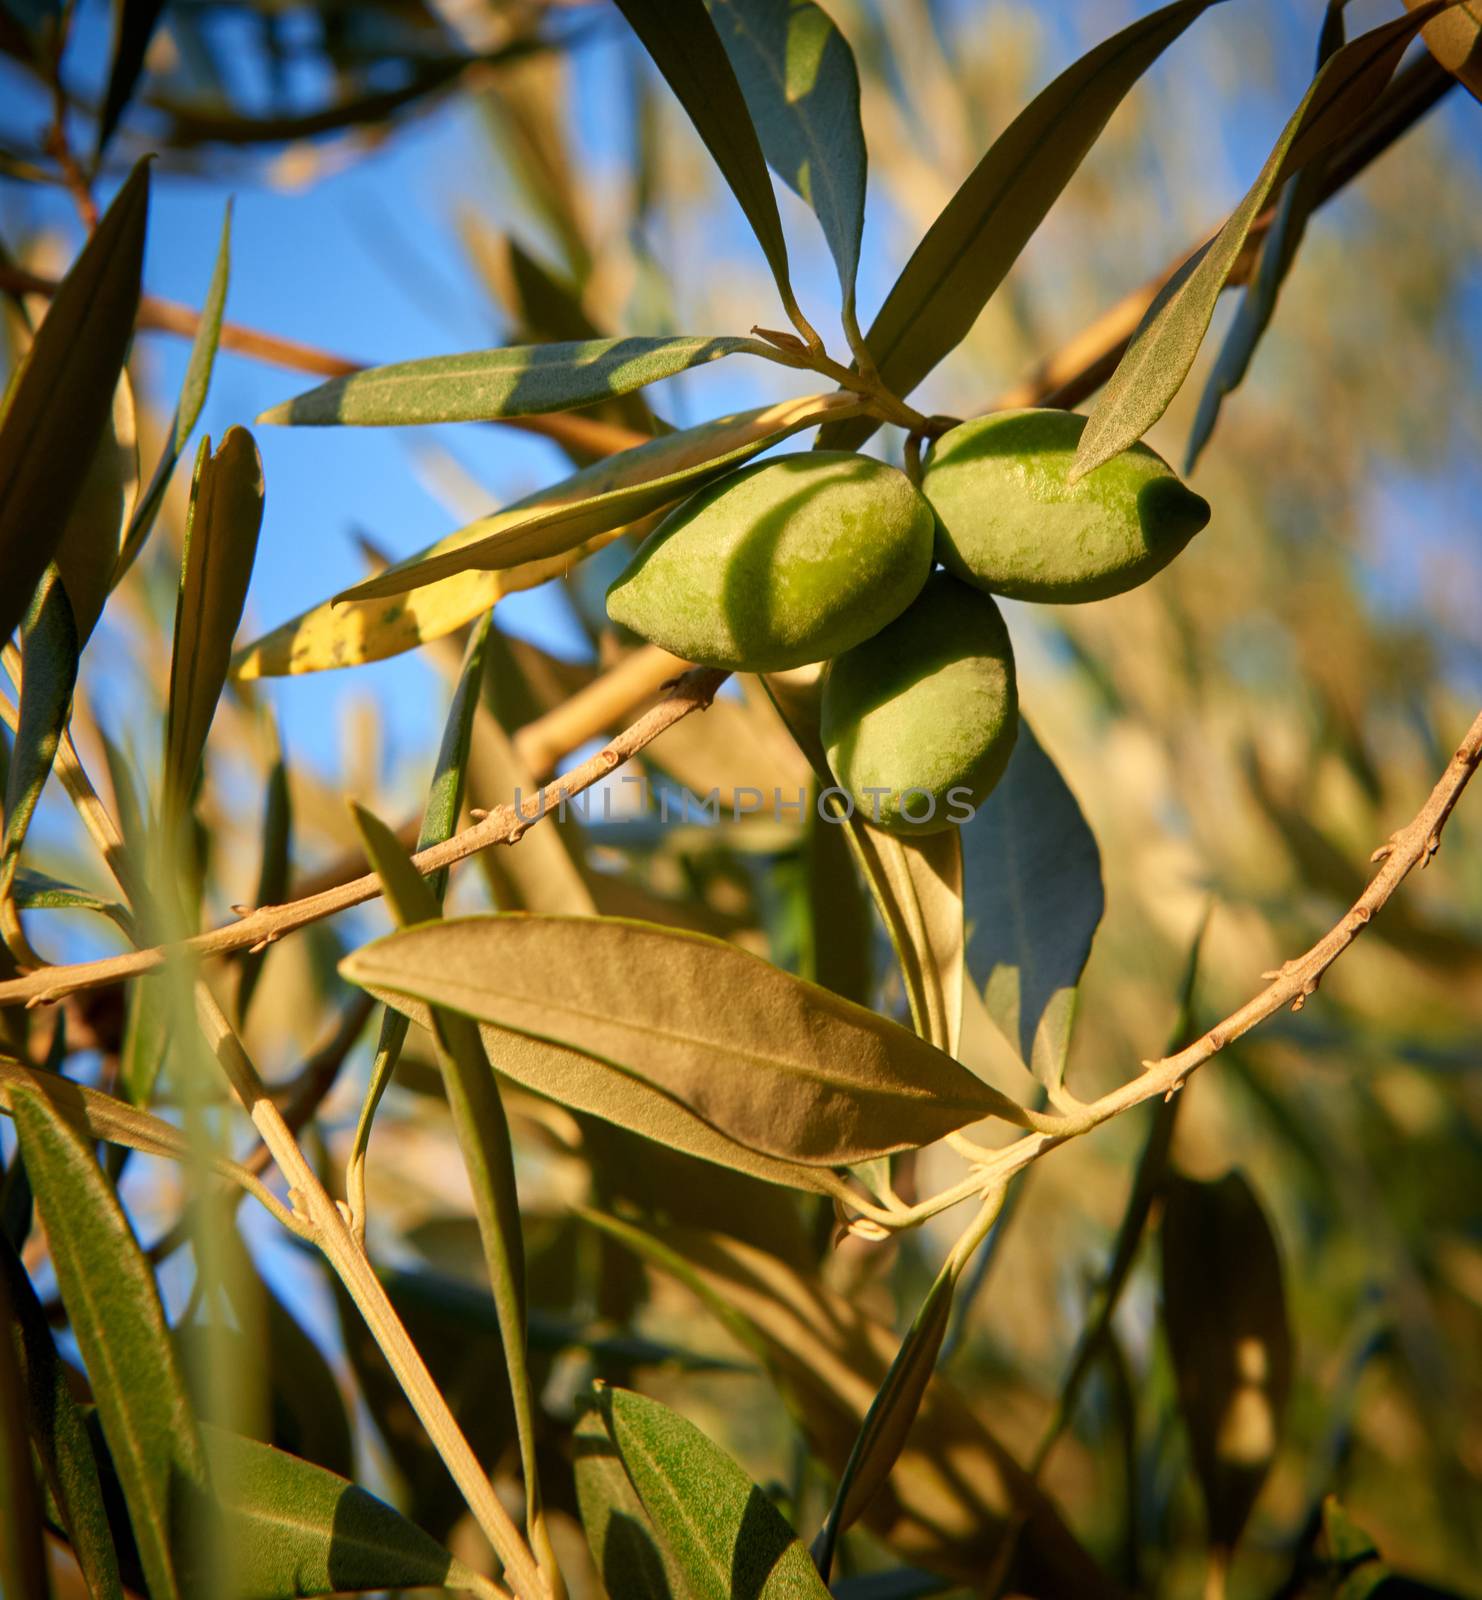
[(439, 819), (1166, 342), (60, 402), (133, 27), (188, 407), (683, 44), (797, 73), (220, 546), (616, 492), (1224, 1311), (58, 1434), (629, 1555), (22, 1547), (294, 1529), (115, 1314), (1033, 897), (272, 873), (49, 650), (522, 381), (770, 1061), (968, 250), (482, 1129), (1257, 305), (721, 1531), (38, 891), (90, 543)]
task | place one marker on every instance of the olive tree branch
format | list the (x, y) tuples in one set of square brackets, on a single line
[(503, 825)]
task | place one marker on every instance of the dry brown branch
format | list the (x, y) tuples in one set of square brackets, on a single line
[(503, 825)]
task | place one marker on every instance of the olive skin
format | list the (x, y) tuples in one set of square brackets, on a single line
[(1008, 521), (785, 562), (930, 703)]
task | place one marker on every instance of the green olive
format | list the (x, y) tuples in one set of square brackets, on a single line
[(785, 562), (919, 721), (1009, 522)]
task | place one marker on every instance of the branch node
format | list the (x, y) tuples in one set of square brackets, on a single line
[(610, 758), (477, 814)]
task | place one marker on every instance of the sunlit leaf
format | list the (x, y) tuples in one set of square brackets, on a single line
[(772, 1062), (115, 1314), (642, 480), (188, 407), (60, 402), (1033, 898), (1166, 342), (721, 1531), (522, 381), (58, 1434), (628, 1553), (89, 547), (294, 1529), (683, 44), (797, 73), (968, 250), (1455, 40), (220, 547), (343, 633), (1224, 1311), (133, 26)]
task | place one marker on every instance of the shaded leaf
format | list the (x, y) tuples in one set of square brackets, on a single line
[(22, 1547), (272, 873), (220, 546), (1167, 340), (115, 1314), (797, 73), (522, 381), (768, 1060), (721, 1531), (1302, 195), (89, 547), (37, 891), (192, 400), (628, 1553), (683, 44), (1224, 1311), (59, 403), (648, 478), (294, 1529), (344, 633), (1034, 898), (133, 26), (58, 1434), (968, 250)]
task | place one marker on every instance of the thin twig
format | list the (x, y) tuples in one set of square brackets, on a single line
[(503, 825)]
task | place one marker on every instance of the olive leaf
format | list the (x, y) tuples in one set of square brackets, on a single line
[(1034, 899), (344, 633), (720, 1530), (60, 401), (521, 381), (1167, 340), (295, 1529), (115, 1314), (968, 250), (133, 26), (39, 891), (1224, 1312), (220, 546), (770, 1061), (57, 1432), (645, 479), (274, 867), (89, 548), (801, 85), (23, 1547), (1302, 194), (682, 43), (193, 390), (629, 1555)]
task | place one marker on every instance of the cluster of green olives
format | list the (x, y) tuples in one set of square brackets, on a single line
[(831, 556)]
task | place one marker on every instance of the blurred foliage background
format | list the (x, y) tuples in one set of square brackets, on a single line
[(1241, 733)]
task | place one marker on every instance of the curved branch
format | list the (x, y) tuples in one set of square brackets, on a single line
[(503, 825)]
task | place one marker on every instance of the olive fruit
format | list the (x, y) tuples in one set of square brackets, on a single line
[(1009, 522), (785, 562), (919, 721)]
